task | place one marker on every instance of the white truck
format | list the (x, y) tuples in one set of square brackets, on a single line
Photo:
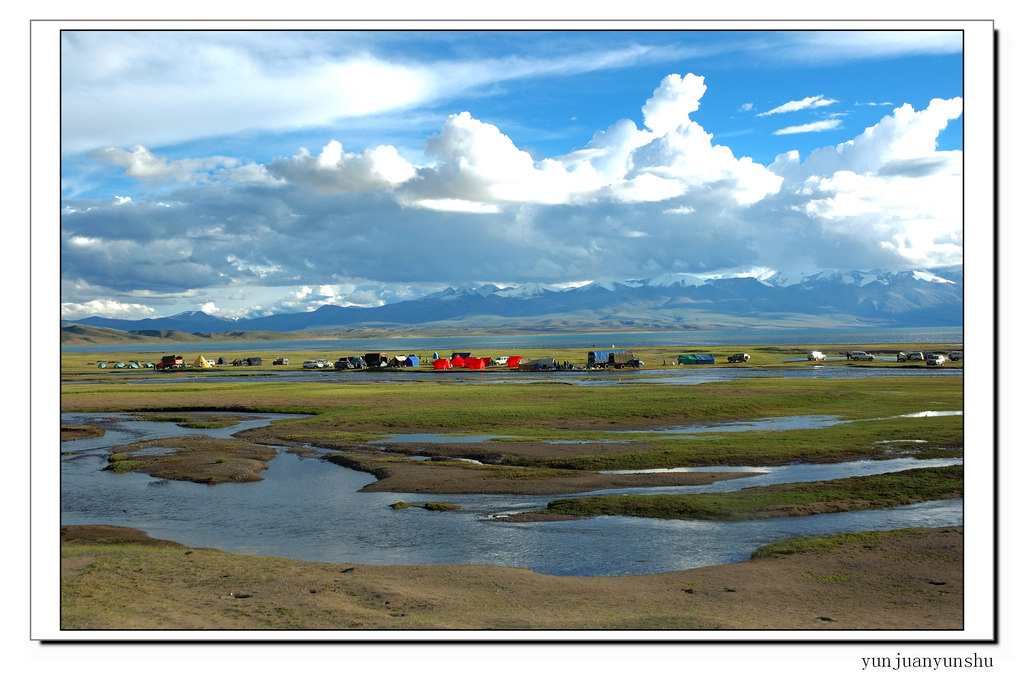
[(815, 355)]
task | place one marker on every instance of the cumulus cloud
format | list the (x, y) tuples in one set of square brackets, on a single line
[(107, 308), (368, 227), (817, 101), (479, 167), (888, 188), (335, 170)]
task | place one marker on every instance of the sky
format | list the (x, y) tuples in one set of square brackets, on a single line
[(246, 173)]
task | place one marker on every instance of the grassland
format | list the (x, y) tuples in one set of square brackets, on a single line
[(780, 500), (627, 420)]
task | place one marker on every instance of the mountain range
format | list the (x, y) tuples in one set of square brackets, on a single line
[(677, 301)]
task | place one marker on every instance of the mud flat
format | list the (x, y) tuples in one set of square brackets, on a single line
[(196, 458), (404, 475), (909, 579)]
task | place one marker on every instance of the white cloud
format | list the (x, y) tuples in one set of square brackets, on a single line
[(107, 308), (163, 87), (817, 126), (335, 170), (351, 221), (140, 163), (209, 308), (888, 187), (479, 167), (817, 101)]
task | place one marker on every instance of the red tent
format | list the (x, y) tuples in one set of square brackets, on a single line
[(458, 362), (442, 365), (513, 362), (475, 363)]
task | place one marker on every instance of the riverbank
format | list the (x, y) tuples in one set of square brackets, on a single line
[(118, 578)]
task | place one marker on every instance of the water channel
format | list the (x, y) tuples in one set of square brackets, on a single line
[(309, 509)]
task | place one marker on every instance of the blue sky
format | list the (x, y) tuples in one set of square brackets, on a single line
[(247, 173)]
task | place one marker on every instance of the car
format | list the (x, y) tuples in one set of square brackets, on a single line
[(313, 363), (739, 356), (281, 361), (956, 355), (936, 360), (500, 361), (862, 356), (816, 356), (915, 356)]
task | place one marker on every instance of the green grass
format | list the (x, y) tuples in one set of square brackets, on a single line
[(825, 544), (854, 493)]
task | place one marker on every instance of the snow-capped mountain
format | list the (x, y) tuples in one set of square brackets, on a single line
[(831, 298)]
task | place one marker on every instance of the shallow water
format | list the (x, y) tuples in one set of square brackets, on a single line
[(309, 509)]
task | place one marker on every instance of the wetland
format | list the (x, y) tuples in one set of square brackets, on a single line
[(316, 469)]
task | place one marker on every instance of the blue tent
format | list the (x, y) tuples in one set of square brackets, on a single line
[(412, 360)]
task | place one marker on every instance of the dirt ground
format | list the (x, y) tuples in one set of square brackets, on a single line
[(409, 476), (200, 458), (115, 578), (69, 433)]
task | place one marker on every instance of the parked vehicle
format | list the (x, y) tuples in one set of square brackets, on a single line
[(956, 355), (611, 358), (281, 361), (313, 363), (936, 360), (862, 356), (375, 359), (915, 356), (170, 363), (739, 357), (500, 361), (815, 355)]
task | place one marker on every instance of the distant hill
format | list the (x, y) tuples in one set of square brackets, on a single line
[(677, 302), (77, 334)]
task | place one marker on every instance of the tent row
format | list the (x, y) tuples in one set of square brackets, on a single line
[(463, 360)]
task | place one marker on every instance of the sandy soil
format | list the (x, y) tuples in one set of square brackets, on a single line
[(119, 579)]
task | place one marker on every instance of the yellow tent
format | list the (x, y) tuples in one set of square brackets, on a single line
[(201, 362)]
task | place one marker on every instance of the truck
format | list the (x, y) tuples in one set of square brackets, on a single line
[(614, 358), (170, 363), (375, 359), (733, 358)]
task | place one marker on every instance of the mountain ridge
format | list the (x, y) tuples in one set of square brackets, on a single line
[(871, 298)]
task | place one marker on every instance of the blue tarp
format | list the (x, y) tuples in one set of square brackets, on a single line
[(696, 358)]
